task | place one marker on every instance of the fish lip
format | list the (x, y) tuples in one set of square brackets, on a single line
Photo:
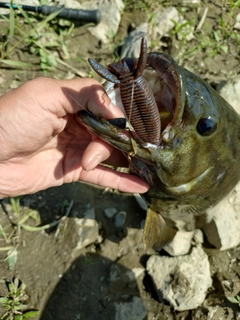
[(186, 187), (105, 130), (122, 139), (173, 76), (167, 81)]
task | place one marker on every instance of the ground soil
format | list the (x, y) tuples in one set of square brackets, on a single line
[(65, 283)]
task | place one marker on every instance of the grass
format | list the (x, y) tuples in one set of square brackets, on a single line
[(45, 40), (15, 301), (234, 300), (208, 40), (28, 220)]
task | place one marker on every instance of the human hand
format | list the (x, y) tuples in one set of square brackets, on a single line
[(43, 145)]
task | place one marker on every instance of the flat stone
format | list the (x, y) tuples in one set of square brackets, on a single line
[(224, 229), (198, 236), (182, 281), (131, 46), (180, 244), (110, 18), (164, 22), (120, 218), (231, 93), (87, 229), (110, 212), (134, 310), (237, 24)]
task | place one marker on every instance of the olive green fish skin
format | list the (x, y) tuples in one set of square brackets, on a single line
[(188, 172)]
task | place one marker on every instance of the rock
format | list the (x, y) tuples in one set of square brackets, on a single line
[(74, 4), (224, 229), (186, 31), (191, 3), (180, 244), (123, 275), (134, 310), (217, 312), (164, 22), (87, 229), (110, 212), (131, 46), (237, 24), (79, 232), (198, 236), (231, 93), (110, 18), (119, 219), (183, 281), (133, 242)]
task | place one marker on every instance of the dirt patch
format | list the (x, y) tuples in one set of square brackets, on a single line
[(68, 283)]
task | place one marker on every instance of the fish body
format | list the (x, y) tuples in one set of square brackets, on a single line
[(194, 164)]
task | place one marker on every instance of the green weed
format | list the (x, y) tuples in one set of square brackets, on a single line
[(15, 301), (234, 300), (27, 220), (44, 40)]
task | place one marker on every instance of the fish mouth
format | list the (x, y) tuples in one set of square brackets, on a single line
[(185, 188), (166, 81), (107, 130)]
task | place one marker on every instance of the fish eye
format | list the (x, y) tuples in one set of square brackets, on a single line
[(207, 126)]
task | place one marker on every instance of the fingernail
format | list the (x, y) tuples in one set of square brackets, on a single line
[(94, 162), (118, 111)]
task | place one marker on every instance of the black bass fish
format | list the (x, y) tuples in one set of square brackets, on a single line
[(184, 141)]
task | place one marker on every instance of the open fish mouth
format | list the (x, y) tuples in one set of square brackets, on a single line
[(152, 100)]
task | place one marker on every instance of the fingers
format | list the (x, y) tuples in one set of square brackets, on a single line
[(82, 94), (98, 151), (70, 96), (106, 177)]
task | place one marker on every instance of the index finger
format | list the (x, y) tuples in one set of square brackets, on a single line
[(88, 94)]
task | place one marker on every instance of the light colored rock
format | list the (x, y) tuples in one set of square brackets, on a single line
[(131, 46), (237, 24), (133, 242), (135, 273), (110, 18), (164, 22), (180, 244), (186, 31), (218, 313), (224, 230), (119, 273), (231, 93), (198, 236), (87, 229), (191, 2), (74, 4), (183, 281), (134, 310)]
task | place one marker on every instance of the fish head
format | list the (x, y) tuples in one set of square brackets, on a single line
[(196, 158)]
